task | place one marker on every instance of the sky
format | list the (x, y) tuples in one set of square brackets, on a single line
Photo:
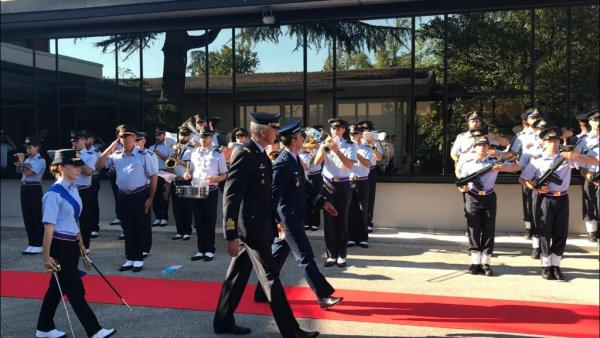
[(273, 58)]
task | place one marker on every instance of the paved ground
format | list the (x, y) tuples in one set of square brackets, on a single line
[(405, 262)]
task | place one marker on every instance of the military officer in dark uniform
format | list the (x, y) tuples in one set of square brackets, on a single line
[(136, 180), (248, 186), (291, 192)]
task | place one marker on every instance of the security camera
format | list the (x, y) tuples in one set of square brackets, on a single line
[(268, 19), (267, 16)]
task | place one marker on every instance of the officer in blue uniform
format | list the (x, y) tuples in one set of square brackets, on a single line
[(358, 220), (291, 192), (208, 169), (248, 187), (338, 156), (90, 145), (140, 141), (378, 154), (31, 194), (552, 210), (136, 180), (161, 202), (84, 186), (480, 205), (62, 209), (588, 145)]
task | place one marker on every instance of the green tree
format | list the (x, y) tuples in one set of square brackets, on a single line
[(348, 61), (221, 62)]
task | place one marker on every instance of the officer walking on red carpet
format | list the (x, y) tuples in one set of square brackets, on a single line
[(248, 187), (291, 191)]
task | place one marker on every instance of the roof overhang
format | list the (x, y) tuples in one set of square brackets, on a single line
[(150, 15)]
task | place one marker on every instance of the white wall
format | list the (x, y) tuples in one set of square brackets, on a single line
[(402, 205)]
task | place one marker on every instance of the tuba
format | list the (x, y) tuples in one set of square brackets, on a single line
[(313, 138)]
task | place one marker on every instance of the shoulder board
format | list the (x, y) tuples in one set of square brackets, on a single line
[(118, 152), (247, 149), (522, 132), (96, 150), (149, 152), (90, 152), (471, 159), (143, 152), (349, 142)]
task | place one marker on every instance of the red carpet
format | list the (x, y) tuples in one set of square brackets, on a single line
[(359, 306)]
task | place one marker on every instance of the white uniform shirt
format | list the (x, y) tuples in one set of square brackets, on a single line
[(38, 166), (163, 148), (333, 166), (133, 170), (539, 166), (207, 162), (185, 155), (358, 170), (465, 143), (308, 159), (57, 211), (89, 159), (470, 164)]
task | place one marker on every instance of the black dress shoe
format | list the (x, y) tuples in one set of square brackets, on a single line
[(535, 253), (306, 334), (475, 269), (137, 268), (196, 258), (558, 275), (125, 268), (329, 263), (121, 237), (307, 227), (327, 302), (547, 273), (487, 270), (238, 330)]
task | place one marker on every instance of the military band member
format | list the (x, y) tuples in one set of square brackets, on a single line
[(480, 203), (90, 145), (31, 193), (552, 211), (140, 142), (62, 206), (219, 139), (526, 145), (239, 136), (359, 177), (136, 179), (589, 146), (209, 168), (338, 156), (161, 202), (378, 152), (248, 187), (312, 217), (182, 207), (291, 192), (84, 186)]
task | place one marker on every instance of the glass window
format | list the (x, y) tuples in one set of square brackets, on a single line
[(320, 72)]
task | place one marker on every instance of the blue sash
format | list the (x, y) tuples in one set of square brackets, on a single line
[(58, 188)]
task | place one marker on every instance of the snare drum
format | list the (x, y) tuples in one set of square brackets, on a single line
[(192, 191)]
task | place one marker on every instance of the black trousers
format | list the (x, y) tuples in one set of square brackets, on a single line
[(336, 228), (358, 214), (535, 206), (481, 222), (94, 205), (552, 219), (372, 189), (258, 256), (86, 222), (589, 201), (160, 205), (66, 253), (527, 199), (115, 190), (205, 219), (135, 222), (298, 244), (31, 208), (182, 210), (312, 215)]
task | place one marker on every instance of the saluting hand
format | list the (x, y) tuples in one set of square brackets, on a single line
[(330, 209), (114, 144), (233, 247)]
